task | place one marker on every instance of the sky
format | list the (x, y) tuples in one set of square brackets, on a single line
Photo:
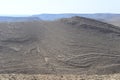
[(30, 7)]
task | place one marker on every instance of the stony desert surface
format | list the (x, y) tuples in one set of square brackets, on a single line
[(58, 77)]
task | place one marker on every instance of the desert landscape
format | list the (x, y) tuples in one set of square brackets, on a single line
[(59, 39)]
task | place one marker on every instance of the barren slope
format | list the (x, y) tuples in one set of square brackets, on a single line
[(73, 45), (114, 21)]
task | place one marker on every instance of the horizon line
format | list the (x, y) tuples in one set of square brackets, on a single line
[(24, 15)]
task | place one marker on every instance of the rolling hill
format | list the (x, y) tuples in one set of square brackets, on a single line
[(74, 45)]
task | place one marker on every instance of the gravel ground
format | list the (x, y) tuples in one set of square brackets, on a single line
[(58, 77)]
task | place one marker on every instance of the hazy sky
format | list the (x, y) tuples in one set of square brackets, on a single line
[(23, 7)]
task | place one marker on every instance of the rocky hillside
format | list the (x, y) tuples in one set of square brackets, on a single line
[(74, 45)]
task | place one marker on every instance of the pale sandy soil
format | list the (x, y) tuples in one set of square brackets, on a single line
[(58, 77)]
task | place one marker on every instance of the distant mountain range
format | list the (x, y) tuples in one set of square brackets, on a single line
[(97, 16), (14, 19), (104, 17)]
